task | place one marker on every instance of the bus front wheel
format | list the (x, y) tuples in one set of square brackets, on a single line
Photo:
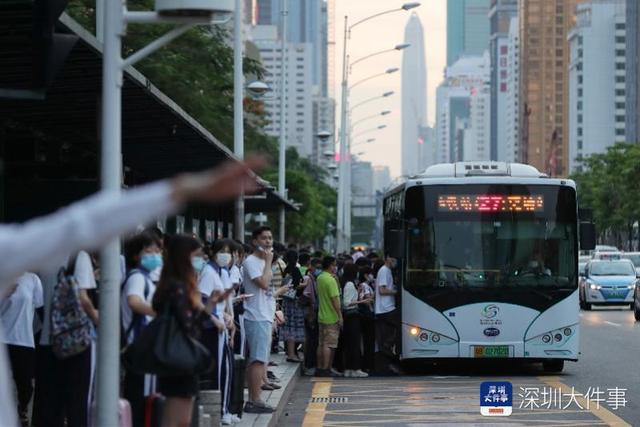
[(553, 365)]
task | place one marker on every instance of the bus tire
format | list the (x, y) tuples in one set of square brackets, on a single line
[(553, 365)]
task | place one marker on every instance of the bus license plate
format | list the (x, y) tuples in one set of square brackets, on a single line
[(491, 351)]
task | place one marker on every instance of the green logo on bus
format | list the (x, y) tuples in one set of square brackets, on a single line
[(490, 311)]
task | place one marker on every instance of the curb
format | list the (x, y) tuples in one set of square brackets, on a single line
[(286, 394)]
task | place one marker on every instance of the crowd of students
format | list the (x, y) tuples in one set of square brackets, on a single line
[(235, 298)]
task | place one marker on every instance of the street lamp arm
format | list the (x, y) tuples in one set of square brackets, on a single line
[(365, 132), (372, 17), (359, 82), (364, 119), (366, 101), (368, 56)]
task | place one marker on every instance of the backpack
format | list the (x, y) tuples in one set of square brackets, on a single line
[(71, 328), (138, 321)]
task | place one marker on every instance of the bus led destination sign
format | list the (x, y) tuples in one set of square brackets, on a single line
[(490, 203)]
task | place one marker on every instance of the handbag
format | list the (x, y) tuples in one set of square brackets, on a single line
[(164, 348)]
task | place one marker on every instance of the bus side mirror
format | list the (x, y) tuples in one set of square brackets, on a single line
[(587, 236)]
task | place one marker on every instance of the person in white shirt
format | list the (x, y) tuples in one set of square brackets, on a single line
[(352, 332), (17, 309), (259, 313), (45, 243), (386, 315)]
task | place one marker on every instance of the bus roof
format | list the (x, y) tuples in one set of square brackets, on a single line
[(479, 172)]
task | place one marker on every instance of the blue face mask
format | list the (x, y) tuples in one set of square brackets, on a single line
[(151, 261), (198, 263)]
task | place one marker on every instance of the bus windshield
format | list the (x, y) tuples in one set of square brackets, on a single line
[(492, 242)]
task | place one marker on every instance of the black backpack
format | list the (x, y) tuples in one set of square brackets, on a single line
[(138, 321)]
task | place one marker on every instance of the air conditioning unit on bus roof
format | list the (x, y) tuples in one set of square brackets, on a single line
[(468, 169)]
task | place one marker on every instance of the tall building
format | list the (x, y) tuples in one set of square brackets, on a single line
[(633, 68), (544, 83), (467, 28), (414, 96), (500, 15), (298, 114), (512, 109), (381, 178), (597, 111), (462, 132)]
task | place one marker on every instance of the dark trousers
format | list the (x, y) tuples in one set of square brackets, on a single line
[(368, 330), (386, 337), (23, 367), (311, 346), (62, 389), (133, 391), (209, 338), (352, 341)]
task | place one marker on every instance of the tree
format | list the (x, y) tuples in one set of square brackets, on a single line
[(607, 183)]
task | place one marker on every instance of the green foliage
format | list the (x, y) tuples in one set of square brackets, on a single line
[(318, 200), (196, 71), (608, 184)]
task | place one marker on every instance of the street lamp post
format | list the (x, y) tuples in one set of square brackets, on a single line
[(238, 112), (188, 13)]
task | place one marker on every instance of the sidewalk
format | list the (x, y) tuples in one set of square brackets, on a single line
[(289, 373)]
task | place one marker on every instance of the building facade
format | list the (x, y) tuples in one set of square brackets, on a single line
[(544, 83), (633, 80), (414, 97), (461, 132), (299, 108), (512, 108), (500, 15), (467, 28), (597, 111)]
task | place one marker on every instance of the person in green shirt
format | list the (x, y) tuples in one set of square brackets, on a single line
[(329, 316)]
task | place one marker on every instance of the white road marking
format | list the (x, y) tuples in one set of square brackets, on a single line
[(612, 324)]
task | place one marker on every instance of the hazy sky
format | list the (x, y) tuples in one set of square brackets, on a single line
[(384, 33)]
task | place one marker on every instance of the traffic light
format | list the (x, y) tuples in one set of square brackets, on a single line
[(32, 52)]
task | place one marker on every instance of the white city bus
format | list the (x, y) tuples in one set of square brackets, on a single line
[(488, 263)]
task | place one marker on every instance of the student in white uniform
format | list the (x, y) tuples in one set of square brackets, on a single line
[(45, 242), (17, 309), (142, 256)]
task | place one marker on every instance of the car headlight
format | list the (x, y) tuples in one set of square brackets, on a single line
[(631, 286), (595, 287)]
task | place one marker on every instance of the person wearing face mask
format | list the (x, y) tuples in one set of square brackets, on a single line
[(386, 314), (142, 256), (309, 303), (366, 296), (215, 280)]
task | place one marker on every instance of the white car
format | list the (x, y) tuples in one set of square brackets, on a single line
[(608, 283), (635, 259), (606, 255)]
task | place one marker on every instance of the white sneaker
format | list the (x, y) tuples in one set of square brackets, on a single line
[(337, 373), (235, 418), (227, 420), (348, 373), (360, 374)]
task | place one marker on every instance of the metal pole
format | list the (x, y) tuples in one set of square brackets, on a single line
[(340, 223), (108, 375), (283, 115), (100, 20), (347, 204), (238, 113)]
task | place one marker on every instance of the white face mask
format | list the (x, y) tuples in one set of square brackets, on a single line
[(223, 259)]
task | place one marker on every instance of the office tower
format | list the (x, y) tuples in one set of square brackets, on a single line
[(500, 15), (544, 83), (467, 28), (414, 96), (512, 110), (596, 79)]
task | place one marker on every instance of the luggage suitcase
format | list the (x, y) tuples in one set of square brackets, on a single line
[(153, 407), (237, 386)]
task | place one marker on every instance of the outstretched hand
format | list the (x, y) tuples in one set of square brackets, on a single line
[(219, 184)]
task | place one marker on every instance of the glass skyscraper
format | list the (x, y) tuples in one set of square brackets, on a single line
[(467, 28)]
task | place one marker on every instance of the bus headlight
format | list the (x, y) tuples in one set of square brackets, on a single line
[(428, 337), (557, 336)]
